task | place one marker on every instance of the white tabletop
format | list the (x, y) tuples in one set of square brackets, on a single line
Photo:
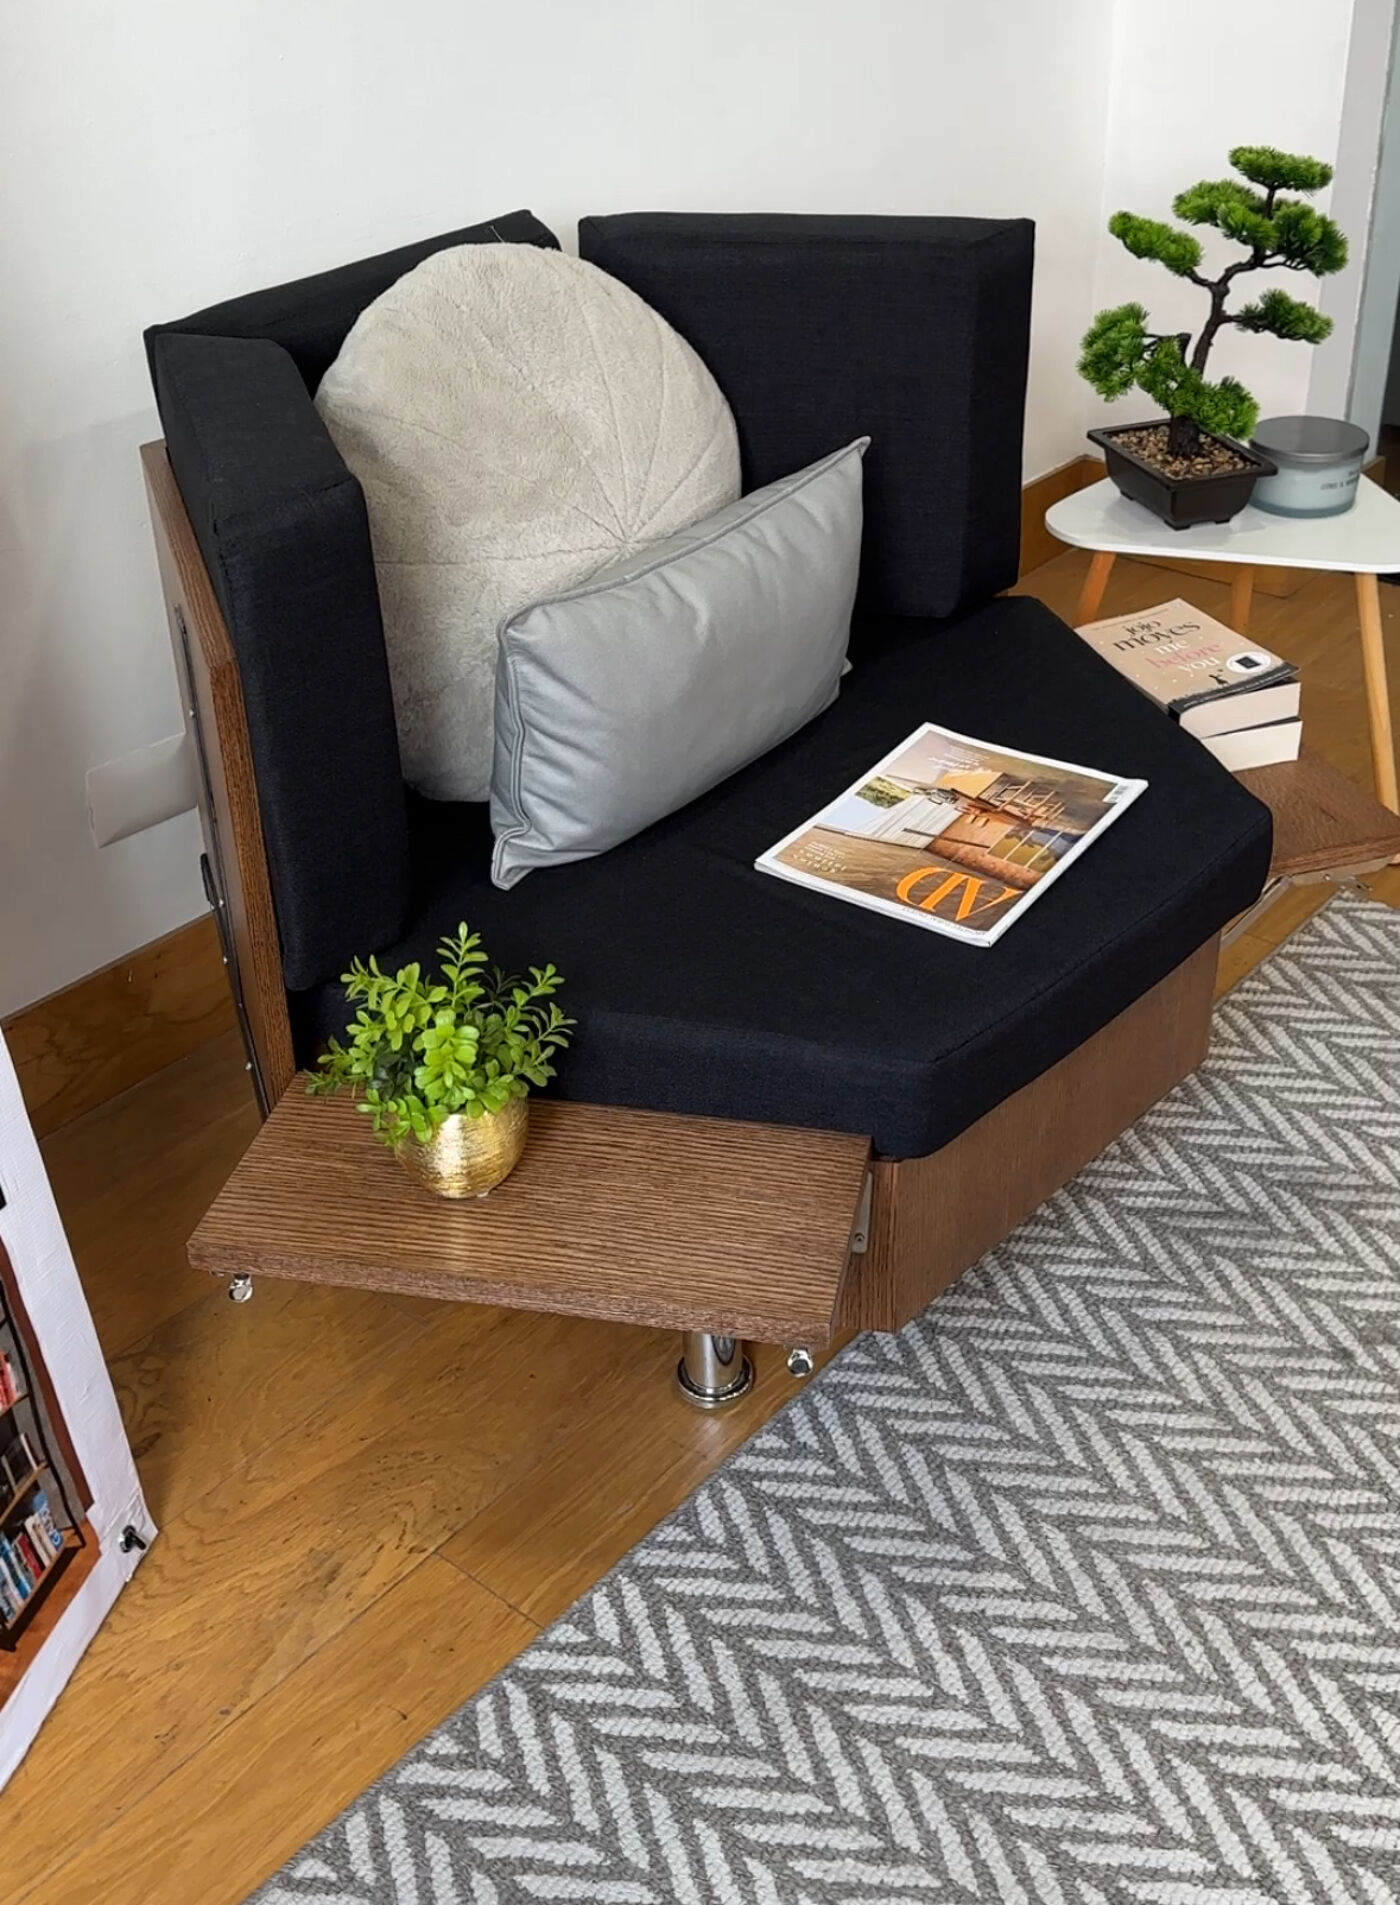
[(1366, 538)]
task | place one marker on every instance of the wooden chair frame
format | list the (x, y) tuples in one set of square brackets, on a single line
[(915, 1226)]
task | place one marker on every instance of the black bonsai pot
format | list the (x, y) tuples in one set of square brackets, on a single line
[(1195, 492)]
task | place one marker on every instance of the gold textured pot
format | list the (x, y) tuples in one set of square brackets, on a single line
[(467, 1157)]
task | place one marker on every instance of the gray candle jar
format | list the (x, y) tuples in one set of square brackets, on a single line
[(1318, 463)]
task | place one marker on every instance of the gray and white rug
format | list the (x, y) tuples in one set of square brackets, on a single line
[(1084, 1589)]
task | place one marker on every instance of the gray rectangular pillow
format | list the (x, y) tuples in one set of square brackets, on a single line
[(621, 700)]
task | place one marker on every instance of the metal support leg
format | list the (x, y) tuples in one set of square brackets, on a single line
[(240, 1289), (713, 1370)]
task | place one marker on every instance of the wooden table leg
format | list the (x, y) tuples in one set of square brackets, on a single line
[(1368, 604), (1241, 596), (1095, 582)]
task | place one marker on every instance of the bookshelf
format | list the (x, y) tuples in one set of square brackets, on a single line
[(42, 1527)]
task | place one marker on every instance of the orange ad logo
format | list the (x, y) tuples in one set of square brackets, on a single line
[(965, 905)]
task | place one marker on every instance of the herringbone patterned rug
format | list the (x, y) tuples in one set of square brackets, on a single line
[(1084, 1589)]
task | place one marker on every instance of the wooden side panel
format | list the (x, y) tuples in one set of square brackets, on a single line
[(933, 1217), (213, 699)]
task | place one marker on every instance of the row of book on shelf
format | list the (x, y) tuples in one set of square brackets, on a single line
[(9, 1383), (30, 1538)]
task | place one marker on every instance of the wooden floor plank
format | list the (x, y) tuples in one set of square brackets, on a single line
[(226, 1818), (134, 1177), (218, 1381), (109, 1031), (548, 1538), (269, 1566)]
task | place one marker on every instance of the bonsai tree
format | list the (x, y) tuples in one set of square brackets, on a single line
[(421, 1049), (1276, 232)]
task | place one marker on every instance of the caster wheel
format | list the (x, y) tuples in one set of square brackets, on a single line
[(240, 1290)]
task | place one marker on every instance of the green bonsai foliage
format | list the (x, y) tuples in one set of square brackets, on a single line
[(1119, 351), (420, 1050)]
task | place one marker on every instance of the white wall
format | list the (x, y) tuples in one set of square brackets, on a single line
[(158, 155), (1190, 80), (1340, 372)]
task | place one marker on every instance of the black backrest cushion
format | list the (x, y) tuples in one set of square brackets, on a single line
[(282, 527), (310, 317), (914, 331)]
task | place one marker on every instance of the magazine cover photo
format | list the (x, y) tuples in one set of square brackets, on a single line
[(951, 833)]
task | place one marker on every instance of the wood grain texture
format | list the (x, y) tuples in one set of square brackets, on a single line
[(228, 799), (1323, 823), (106, 1032), (290, 1546), (931, 1218), (133, 1185), (639, 1217), (548, 1537), (262, 1368), (324, 1734), (546, 1540), (1040, 494)]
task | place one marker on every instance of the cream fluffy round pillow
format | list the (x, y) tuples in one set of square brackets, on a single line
[(518, 420)]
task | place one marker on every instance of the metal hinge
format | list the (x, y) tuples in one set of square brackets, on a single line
[(860, 1235)]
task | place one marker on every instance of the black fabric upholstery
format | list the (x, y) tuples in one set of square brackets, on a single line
[(310, 317), (281, 523), (282, 527), (704, 986), (914, 331)]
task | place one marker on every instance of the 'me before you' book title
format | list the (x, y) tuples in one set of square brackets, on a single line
[(1239, 700)]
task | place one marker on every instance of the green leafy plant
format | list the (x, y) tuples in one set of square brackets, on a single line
[(419, 1050), (1119, 351)]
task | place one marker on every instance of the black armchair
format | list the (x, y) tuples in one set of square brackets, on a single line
[(983, 1079)]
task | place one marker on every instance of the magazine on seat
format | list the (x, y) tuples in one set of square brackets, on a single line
[(952, 834)]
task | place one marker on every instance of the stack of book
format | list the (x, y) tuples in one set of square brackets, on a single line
[(1240, 701), (28, 1548)]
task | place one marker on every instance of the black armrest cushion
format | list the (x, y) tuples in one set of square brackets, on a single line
[(310, 317), (282, 527)]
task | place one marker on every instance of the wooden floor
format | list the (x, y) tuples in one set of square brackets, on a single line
[(369, 1504)]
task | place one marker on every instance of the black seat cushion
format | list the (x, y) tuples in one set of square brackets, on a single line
[(704, 986)]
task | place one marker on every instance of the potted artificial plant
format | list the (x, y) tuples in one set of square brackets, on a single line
[(1190, 466), (443, 1068)]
